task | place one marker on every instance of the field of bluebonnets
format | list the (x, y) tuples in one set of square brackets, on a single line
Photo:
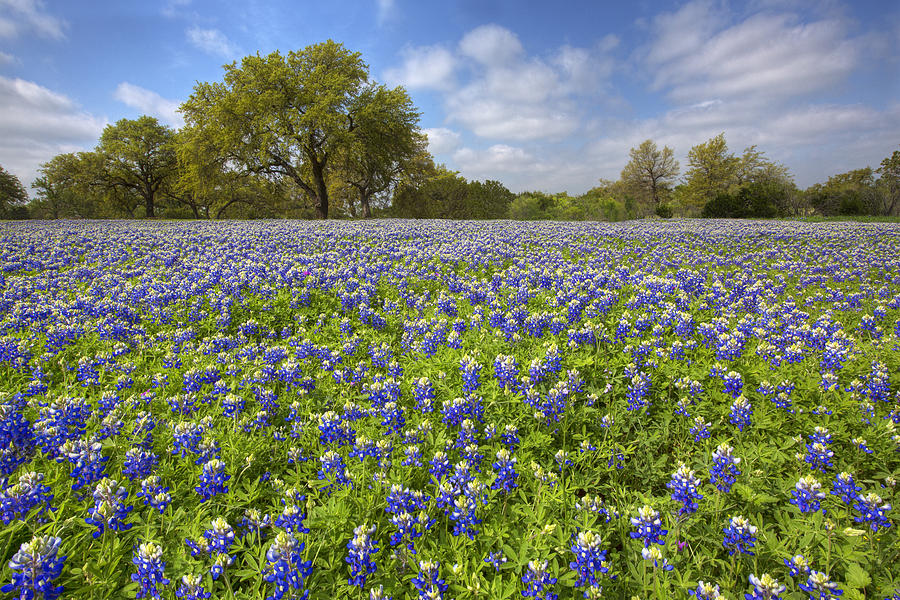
[(458, 410)]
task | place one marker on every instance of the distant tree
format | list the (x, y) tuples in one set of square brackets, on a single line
[(139, 159), (526, 207), (292, 116), (713, 170), (888, 185), (489, 199), (850, 193), (12, 195), (650, 170)]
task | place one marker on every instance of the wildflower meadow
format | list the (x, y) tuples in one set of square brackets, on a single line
[(423, 409)]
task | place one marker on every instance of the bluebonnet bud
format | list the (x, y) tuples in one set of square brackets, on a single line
[(740, 535), (470, 371), (150, 566), (764, 588), (34, 567), (254, 522), (139, 463), (536, 579), (361, 548), (734, 384), (333, 469), (428, 581)]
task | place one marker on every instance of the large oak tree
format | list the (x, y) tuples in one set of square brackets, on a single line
[(292, 116)]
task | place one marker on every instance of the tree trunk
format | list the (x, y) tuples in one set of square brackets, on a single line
[(148, 205), (364, 201), (318, 172)]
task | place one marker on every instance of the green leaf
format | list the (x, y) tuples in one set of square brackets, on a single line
[(856, 576)]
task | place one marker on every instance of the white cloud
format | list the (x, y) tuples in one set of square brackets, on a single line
[(21, 16), (6, 59), (425, 67), (150, 103), (37, 124), (491, 45), (212, 41), (385, 10), (768, 56), (442, 140), (496, 158)]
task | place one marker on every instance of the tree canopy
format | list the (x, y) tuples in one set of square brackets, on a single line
[(650, 170), (12, 194)]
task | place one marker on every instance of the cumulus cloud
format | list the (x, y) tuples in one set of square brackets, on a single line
[(442, 140), (38, 123), (212, 41), (491, 45), (29, 16), (149, 103), (424, 67), (696, 54)]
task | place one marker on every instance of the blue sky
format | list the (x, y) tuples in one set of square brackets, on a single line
[(538, 95)]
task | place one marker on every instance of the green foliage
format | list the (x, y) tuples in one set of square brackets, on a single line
[(12, 195), (651, 171)]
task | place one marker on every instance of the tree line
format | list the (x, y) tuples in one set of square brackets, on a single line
[(310, 135)]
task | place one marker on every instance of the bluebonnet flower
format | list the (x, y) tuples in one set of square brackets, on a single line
[(402, 499), (562, 459), (360, 550), (150, 567), (286, 569), (861, 442), (440, 465), (109, 510), (506, 370), (820, 587), (254, 522), (17, 500), (536, 580), (807, 494), (590, 559), (87, 460), (377, 593), (409, 527), (734, 384), (154, 493), (797, 565), (212, 479), (638, 386), (505, 466), (333, 470), (724, 469), (470, 371), (428, 581), (872, 509), (495, 558), (423, 393), (462, 513), (35, 566), (648, 526), (700, 430), (706, 591), (191, 588), (740, 535), (741, 411), (412, 456), (845, 488), (818, 456), (655, 556), (764, 588), (684, 486), (139, 463), (291, 518)]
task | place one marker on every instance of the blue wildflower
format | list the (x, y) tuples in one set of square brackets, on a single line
[(740, 535), (360, 550), (150, 566), (536, 579), (34, 567)]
